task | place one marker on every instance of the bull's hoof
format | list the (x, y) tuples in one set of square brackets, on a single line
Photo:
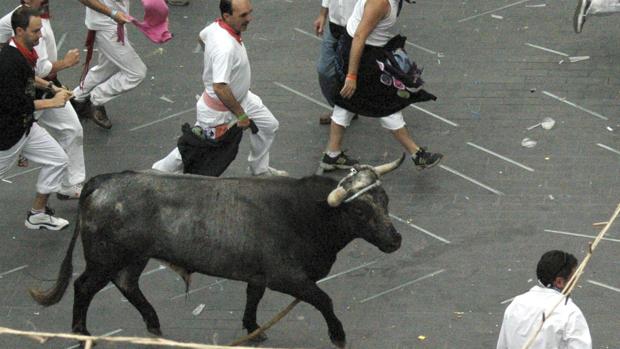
[(155, 330), (261, 337)]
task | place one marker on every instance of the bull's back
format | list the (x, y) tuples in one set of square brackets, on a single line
[(218, 226)]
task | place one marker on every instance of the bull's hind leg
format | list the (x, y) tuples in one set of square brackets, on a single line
[(127, 281), (309, 292), (85, 288), (254, 295)]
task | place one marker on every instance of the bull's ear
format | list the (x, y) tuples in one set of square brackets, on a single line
[(334, 199), (389, 167)]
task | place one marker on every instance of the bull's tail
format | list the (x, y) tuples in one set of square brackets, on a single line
[(54, 294)]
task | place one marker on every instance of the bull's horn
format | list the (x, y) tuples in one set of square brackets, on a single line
[(389, 167), (334, 199)]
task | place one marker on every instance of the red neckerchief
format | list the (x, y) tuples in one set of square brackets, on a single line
[(229, 29), (30, 55)]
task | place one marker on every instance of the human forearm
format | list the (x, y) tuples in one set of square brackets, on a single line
[(357, 47), (96, 5), (225, 95), (41, 83)]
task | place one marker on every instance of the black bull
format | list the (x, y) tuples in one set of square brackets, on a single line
[(280, 233)]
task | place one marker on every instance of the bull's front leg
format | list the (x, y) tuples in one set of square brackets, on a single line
[(307, 291), (254, 294)]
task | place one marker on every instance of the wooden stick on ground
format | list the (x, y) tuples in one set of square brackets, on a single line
[(91, 340), (572, 282), (266, 326)]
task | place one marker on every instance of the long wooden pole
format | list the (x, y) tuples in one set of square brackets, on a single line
[(572, 282), (91, 340)]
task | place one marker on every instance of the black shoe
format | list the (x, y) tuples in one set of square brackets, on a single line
[(342, 162), (100, 117), (83, 109), (424, 159)]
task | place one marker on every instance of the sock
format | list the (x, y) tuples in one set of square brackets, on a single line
[(33, 211), (414, 156), (333, 154)]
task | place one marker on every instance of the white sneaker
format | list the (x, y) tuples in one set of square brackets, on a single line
[(272, 172), (70, 193), (45, 220), (580, 14)]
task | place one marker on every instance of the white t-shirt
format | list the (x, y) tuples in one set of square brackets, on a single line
[(99, 21), (565, 328), (339, 10), (381, 34), (225, 61), (46, 49)]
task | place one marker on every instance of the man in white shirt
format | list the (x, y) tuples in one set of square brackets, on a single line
[(227, 94), (593, 8), (330, 24), (119, 68), (62, 123), (564, 328)]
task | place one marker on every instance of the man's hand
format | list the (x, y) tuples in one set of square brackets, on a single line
[(61, 98), (319, 25), (245, 123), (349, 88), (121, 18), (72, 58), (320, 22)]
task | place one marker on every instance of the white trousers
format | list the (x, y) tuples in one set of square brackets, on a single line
[(260, 143), (603, 7), (391, 122), (40, 147), (119, 69), (63, 124)]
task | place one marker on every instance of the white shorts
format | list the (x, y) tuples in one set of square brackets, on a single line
[(391, 122)]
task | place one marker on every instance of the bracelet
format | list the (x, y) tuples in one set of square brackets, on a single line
[(352, 77), (113, 13), (242, 117)]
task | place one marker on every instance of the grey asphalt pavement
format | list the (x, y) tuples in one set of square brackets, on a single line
[(473, 227)]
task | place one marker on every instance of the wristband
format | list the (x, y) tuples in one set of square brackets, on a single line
[(113, 13), (242, 117), (352, 77)]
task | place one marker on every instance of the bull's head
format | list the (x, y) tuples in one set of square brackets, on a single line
[(361, 197)]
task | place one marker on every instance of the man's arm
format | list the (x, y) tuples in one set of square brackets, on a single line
[(96, 5), (224, 93), (71, 59), (59, 101), (321, 20), (577, 333)]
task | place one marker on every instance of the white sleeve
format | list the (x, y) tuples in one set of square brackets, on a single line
[(44, 66), (6, 31), (577, 333), (325, 3), (501, 341), (203, 35), (221, 64)]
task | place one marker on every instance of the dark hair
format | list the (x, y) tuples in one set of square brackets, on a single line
[(553, 264), (226, 7), (21, 17)]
